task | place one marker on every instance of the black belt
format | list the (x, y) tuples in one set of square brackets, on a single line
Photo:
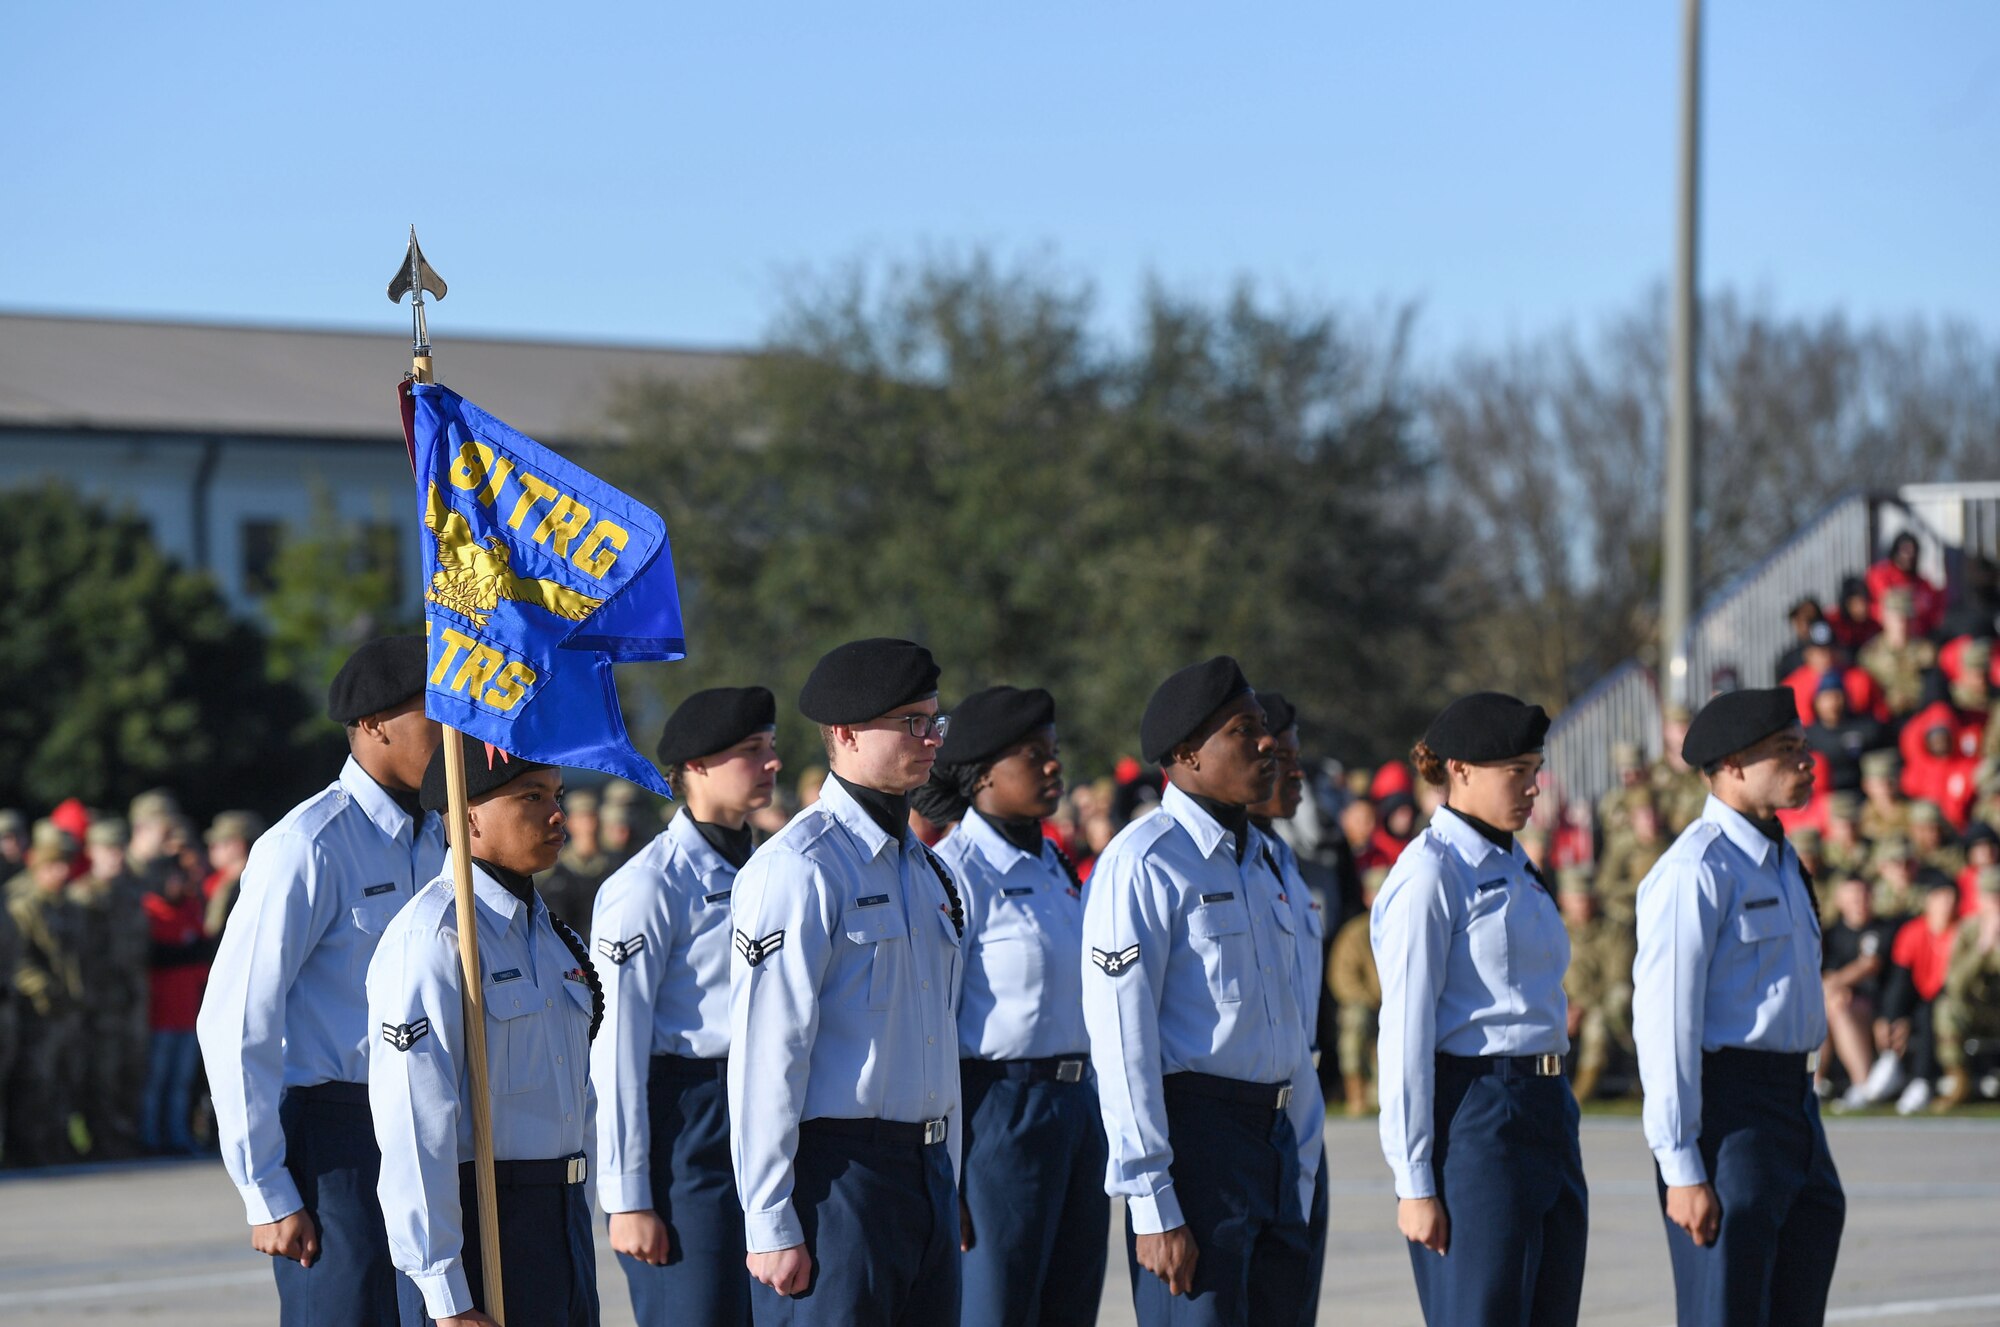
[(332, 1094), (1048, 1069), (1502, 1066), (691, 1066), (1269, 1096), (533, 1174), (1785, 1067), (896, 1133)]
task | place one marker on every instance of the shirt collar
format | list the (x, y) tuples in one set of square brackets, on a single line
[(496, 898), (1207, 833), (376, 804), (1466, 841), (848, 812), (989, 843), (1749, 840), (707, 861)]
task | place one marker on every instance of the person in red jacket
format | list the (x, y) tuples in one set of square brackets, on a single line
[(1938, 773), (1920, 957), (1899, 570), (1864, 693), (1853, 616), (180, 959)]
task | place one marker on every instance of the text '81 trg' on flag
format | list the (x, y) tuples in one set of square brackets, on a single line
[(538, 576)]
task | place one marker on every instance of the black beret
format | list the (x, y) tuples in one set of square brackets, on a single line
[(379, 676), (486, 769), (1278, 712), (715, 720), (1183, 703), (987, 722), (1735, 720), (865, 679), (1487, 726)]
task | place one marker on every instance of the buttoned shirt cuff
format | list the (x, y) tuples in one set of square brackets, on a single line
[(446, 1292), (271, 1200), (1155, 1213), (1414, 1182), (626, 1193), (1681, 1166), (768, 1232)]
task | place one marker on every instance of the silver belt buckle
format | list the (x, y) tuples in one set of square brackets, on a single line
[(577, 1170), (1284, 1096), (1069, 1071), (1548, 1066), (1812, 1062), (933, 1132)]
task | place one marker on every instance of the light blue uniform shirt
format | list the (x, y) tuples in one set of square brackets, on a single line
[(1190, 963), (1022, 997), (1472, 952), (661, 931), (1311, 933), (1728, 956), (286, 1005), (537, 1057), (847, 1011)]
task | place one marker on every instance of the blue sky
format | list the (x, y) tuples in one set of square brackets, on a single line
[(658, 172)]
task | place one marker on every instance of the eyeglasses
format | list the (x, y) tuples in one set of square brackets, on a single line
[(923, 726)]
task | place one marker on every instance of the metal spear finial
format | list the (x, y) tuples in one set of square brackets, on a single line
[(416, 276)]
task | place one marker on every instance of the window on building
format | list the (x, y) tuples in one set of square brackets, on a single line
[(261, 541)]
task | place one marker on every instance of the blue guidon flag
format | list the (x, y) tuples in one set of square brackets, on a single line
[(538, 576)]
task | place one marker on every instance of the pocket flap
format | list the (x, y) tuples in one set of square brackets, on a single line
[(871, 925), (1212, 919), (1762, 919), (512, 1000)]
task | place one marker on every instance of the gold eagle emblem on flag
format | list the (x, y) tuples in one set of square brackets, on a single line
[(473, 576)]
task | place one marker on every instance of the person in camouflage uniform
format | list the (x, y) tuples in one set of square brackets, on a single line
[(13, 843), (1986, 809), (116, 941), (1896, 660), (1612, 821), (152, 817), (228, 837), (1679, 793), (570, 886), (1841, 843), (48, 985), (10, 1017), (1356, 983), (1811, 848), (1969, 1005), (1932, 840), (1598, 984), (1621, 870), (1898, 891), (1885, 812)]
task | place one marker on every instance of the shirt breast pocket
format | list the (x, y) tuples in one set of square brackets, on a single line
[(372, 915), (518, 1045), (881, 941), (1220, 934), (1762, 919)]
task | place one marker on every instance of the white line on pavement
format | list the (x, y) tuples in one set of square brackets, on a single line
[(112, 1289), (1913, 1308)]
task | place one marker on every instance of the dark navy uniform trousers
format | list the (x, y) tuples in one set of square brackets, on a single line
[(1509, 1171), (548, 1262), (880, 1213), (694, 1192), (1782, 1204), (1034, 1185), (331, 1154), (1316, 1218), (1236, 1174)]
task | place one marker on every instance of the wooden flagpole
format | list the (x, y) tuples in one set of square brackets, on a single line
[(473, 982)]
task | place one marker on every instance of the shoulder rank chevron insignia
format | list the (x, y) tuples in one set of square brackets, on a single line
[(756, 951), (405, 1035), (620, 950), (1113, 964)]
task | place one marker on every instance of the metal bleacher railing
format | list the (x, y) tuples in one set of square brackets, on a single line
[(1736, 638)]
